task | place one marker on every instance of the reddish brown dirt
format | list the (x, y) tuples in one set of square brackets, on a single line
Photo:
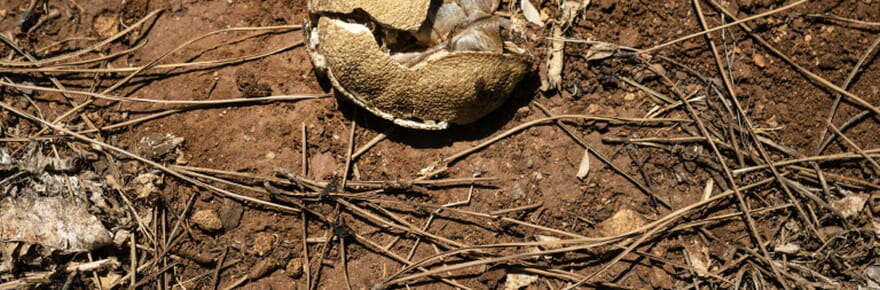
[(536, 166)]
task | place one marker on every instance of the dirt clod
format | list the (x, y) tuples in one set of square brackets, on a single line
[(106, 25), (261, 244), (230, 213), (249, 85), (623, 221), (294, 268), (207, 220), (159, 146)]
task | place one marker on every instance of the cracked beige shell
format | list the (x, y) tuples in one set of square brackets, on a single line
[(445, 87), (400, 14)]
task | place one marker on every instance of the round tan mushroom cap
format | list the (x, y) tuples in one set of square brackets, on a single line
[(398, 14), (457, 87)]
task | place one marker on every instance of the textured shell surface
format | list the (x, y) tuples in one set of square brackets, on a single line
[(417, 64)]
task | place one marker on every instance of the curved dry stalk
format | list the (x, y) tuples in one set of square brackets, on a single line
[(623, 120), (93, 47), (833, 157), (854, 146), (294, 97), (849, 123), (844, 19), (737, 22), (207, 63), (836, 105), (369, 184), (65, 68), (632, 246), (97, 59), (60, 42)]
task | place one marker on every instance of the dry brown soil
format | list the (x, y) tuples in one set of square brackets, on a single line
[(535, 166)]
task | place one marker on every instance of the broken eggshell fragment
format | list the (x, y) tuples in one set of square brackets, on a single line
[(455, 71)]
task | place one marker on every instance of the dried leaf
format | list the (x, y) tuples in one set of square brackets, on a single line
[(851, 205), (584, 168), (600, 51), (531, 13), (707, 191), (623, 221), (517, 281), (788, 248), (570, 9), (873, 275), (55, 222), (699, 265)]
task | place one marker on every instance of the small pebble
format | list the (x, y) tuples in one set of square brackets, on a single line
[(759, 59)]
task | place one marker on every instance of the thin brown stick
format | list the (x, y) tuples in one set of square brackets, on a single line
[(134, 260), (841, 180), (305, 151), (349, 151), (342, 258), (844, 19), (306, 268), (518, 209), (646, 89), (215, 279), (854, 146), (369, 145)]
